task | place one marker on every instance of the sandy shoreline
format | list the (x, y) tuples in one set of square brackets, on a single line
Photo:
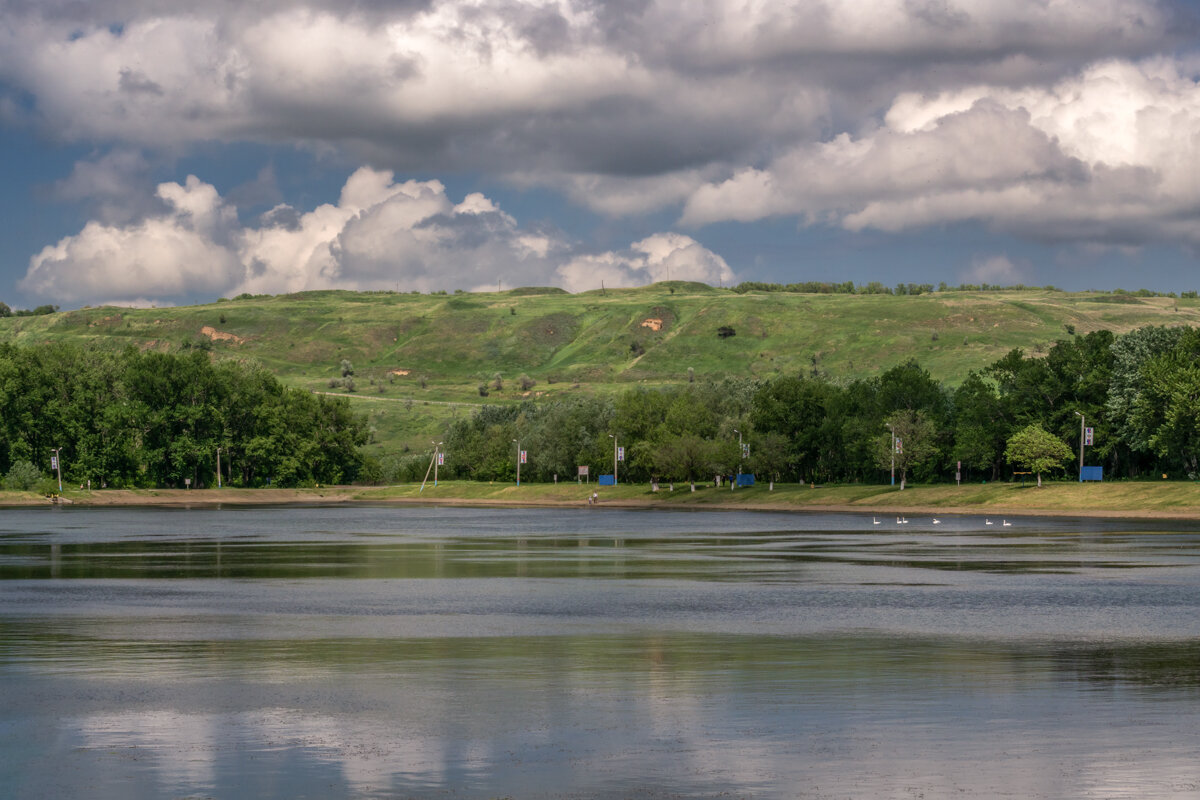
[(349, 495)]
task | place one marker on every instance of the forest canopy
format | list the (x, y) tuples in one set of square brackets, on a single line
[(1139, 391), (157, 419), (138, 419)]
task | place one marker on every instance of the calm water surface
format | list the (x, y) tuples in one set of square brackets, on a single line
[(471, 653)]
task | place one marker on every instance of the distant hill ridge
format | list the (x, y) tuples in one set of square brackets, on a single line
[(452, 344)]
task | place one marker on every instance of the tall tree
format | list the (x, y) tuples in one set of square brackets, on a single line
[(1036, 449), (913, 443)]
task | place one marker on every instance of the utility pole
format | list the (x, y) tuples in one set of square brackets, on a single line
[(614, 438), (741, 450), (518, 443), (1081, 440), (58, 465)]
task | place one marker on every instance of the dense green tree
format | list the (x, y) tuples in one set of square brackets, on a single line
[(1125, 406), (1166, 408), (769, 455), (156, 419), (797, 410), (909, 443), (685, 457), (22, 476), (980, 430), (1036, 449)]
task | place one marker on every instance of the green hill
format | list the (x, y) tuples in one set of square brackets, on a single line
[(419, 359)]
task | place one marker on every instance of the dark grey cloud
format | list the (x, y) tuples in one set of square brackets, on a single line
[(707, 106), (134, 82), (115, 187)]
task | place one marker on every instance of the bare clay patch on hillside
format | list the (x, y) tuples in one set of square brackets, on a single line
[(220, 336), (659, 319)]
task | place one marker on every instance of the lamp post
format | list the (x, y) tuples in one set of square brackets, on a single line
[(58, 465), (518, 443), (739, 469), (1082, 436), (437, 457), (614, 438)]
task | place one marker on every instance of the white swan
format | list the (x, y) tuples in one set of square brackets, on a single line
[(874, 521), (987, 522), (1007, 524), (937, 521)]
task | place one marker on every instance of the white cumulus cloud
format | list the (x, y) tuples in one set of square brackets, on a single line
[(381, 234), (1109, 155), (661, 257), (183, 250)]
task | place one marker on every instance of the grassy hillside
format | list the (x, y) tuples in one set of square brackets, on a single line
[(420, 358)]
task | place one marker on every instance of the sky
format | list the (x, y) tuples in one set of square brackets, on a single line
[(161, 153)]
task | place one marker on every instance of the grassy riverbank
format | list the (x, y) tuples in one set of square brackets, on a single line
[(1132, 499)]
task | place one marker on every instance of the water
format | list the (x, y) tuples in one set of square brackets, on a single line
[(477, 653)]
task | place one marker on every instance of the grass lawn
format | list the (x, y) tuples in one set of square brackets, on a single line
[(1120, 499), (1116, 499)]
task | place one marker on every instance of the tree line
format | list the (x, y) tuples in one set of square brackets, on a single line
[(1139, 392), (156, 419), (151, 419)]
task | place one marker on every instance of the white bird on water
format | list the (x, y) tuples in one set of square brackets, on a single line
[(1007, 524), (937, 521), (987, 522), (874, 521)]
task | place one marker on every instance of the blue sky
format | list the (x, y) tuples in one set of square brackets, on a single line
[(157, 152)]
